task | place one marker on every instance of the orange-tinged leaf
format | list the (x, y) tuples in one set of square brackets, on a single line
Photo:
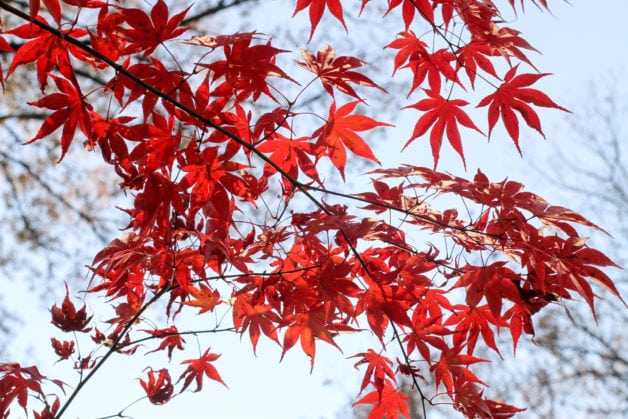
[(257, 318), (378, 371), (306, 327), (204, 298), (390, 403), (340, 131)]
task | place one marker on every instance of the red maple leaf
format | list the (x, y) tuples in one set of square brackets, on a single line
[(67, 318), (306, 327), (148, 32), (158, 389), (171, 339), (47, 50), (450, 369), (246, 67), (470, 323), (70, 111), (16, 382), (197, 368), (63, 349), (505, 42), (336, 71), (408, 45), (340, 131), (474, 55), (441, 115), (291, 154), (317, 8), (408, 9), (257, 318), (390, 403), (378, 371), (515, 95), (413, 54), (53, 7), (49, 411)]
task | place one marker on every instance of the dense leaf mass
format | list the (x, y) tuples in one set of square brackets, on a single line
[(205, 158)]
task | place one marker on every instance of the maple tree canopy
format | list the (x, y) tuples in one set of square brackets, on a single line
[(231, 211)]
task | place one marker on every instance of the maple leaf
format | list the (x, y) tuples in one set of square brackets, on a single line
[(340, 131), (49, 411), (158, 389), (409, 45), (147, 33), (336, 71), (474, 55), (53, 7), (257, 318), (442, 115), (506, 42), (449, 369), (70, 111), (378, 371), (469, 401), (95, 4), (63, 349), (16, 382), (470, 323), (390, 403), (494, 281), (381, 307), (67, 318), (171, 339), (197, 368), (317, 8), (408, 9), (291, 154), (205, 298), (414, 55), (306, 327), (514, 95), (156, 75), (246, 67), (47, 50)]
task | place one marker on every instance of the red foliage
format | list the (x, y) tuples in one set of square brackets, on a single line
[(64, 349), (226, 174), (67, 318), (197, 368), (158, 389)]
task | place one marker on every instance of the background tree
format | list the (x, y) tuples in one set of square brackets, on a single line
[(230, 213)]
